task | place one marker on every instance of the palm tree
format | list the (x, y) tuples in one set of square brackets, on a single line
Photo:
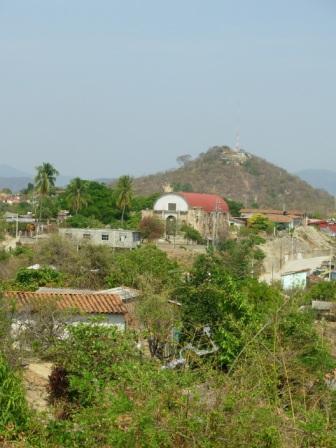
[(77, 195), (125, 194), (45, 181)]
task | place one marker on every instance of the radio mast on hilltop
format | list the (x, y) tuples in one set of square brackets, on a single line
[(237, 142)]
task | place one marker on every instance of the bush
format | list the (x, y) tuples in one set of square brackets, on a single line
[(129, 268), (13, 407), (151, 228), (322, 291), (32, 279), (192, 234)]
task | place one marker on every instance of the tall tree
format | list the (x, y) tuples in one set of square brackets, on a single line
[(45, 180), (77, 194), (125, 194)]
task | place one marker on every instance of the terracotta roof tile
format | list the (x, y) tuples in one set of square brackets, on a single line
[(87, 303), (208, 202)]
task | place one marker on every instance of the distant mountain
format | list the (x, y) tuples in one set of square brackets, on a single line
[(16, 180), (14, 183), (242, 177), (9, 171), (324, 179)]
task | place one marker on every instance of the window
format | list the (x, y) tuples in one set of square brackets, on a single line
[(136, 236), (105, 236), (172, 206), (122, 237), (86, 236)]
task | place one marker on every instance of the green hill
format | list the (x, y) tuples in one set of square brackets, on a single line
[(242, 177)]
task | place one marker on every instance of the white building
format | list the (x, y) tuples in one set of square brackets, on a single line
[(117, 238), (295, 279), (207, 213)]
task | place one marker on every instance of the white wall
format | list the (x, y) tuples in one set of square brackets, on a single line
[(294, 280), (162, 203)]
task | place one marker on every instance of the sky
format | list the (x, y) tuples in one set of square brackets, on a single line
[(110, 87)]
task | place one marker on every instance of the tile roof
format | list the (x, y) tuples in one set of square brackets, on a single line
[(124, 292), (208, 202), (87, 303)]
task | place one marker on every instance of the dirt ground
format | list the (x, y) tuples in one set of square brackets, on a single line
[(35, 379)]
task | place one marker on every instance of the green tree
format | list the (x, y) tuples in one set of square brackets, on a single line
[(45, 180), (125, 194), (77, 194), (260, 223), (211, 297)]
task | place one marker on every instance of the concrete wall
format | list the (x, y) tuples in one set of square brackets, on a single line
[(162, 203), (294, 280), (118, 238)]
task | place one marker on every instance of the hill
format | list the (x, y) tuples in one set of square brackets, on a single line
[(242, 177), (325, 179), (10, 172), (14, 183)]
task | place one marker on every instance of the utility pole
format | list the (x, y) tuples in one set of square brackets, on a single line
[(17, 226), (214, 226)]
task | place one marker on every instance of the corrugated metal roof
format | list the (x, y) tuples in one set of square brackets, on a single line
[(87, 303)]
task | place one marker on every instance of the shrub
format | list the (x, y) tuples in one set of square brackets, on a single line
[(13, 407), (151, 228)]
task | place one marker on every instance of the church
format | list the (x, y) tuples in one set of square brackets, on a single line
[(207, 213)]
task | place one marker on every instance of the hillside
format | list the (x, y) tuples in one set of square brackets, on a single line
[(325, 179), (242, 177)]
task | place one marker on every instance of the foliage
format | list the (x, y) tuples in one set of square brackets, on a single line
[(45, 181), (180, 186), (212, 297), (76, 194), (83, 222), (140, 203), (151, 228), (243, 257), (32, 279), (191, 234), (260, 223), (158, 317), (234, 207), (99, 198), (14, 416), (90, 356), (323, 291), (84, 267), (130, 267), (125, 194)]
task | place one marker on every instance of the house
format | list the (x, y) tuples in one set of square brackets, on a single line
[(207, 213), (116, 238), (127, 295), (29, 218), (285, 219), (82, 306), (295, 279)]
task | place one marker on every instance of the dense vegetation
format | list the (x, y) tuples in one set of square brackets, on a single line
[(213, 357), (252, 363)]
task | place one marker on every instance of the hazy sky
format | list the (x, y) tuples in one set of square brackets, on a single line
[(107, 87)]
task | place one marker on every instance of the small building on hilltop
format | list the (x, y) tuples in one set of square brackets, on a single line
[(115, 238), (207, 213)]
